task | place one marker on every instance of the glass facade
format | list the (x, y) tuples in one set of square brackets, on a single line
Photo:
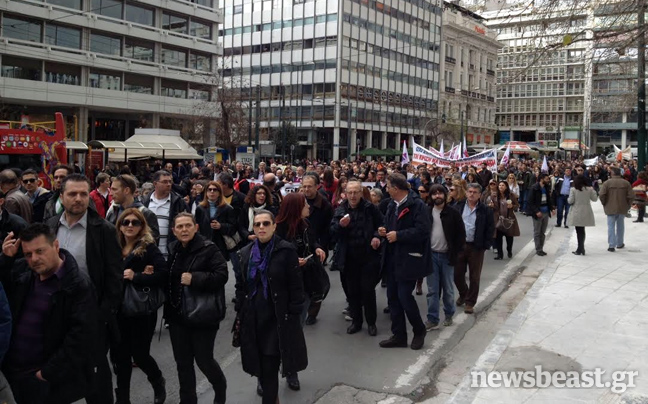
[(63, 36)]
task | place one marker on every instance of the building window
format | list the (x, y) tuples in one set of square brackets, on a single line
[(238, 9), (174, 89), (139, 50), (206, 3), (200, 62), (173, 57), (105, 80), (203, 29), (105, 44), (18, 28), (108, 8), (139, 15), (62, 74), (174, 23), (202, 95), (63, 36), (135, 83), (19, 68), (76, 4)]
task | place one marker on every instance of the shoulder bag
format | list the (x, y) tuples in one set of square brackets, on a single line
[(505, 225), (231, 241), (141, 301)]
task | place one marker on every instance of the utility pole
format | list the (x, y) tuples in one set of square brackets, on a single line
[(641, 96), (258, 114), (283, 124)]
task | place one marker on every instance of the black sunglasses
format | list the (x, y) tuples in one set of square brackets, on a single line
[(213, 190), (422, 191), (266, 223), (134, 222), (30, 180)]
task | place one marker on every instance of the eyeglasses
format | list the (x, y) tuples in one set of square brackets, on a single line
[(134, 222), (30, 180), (213, 190), (452, 189), (422, 191), (264, 224)]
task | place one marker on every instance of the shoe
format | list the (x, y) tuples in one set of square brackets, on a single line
[(310, 320), (383, 284), (393, 342), (346, 310), (372, 330), (469, 309), (498, 258), (417, 342), (566, 227), (347, 318), (510, 254), (558, 225), (541, 253), (386, 310), (637, 221), (460, 301), (159, 390), (611, 249), (354, 328), (293, 382), (448, 322), (429, 326), (121, 396), (419, 290), (259, 389), (620, 246), (577, 252), (233, 300), (333, 268)]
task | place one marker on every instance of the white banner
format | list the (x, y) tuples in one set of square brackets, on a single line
[(422, 155), (294, 186)]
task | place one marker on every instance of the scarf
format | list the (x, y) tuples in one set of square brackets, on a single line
[(259, 264), (251, 212), (213, 210)]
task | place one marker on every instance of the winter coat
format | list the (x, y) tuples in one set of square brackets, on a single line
[(453, 230), (39, 205), (535, 200), (18, 203), (373, 219), (286, 290), (11, 223), (69, 330), (484, 225), (50, 206), (321, 213), (616, 195), (102, 204), (137, 262), (5, 323), (229, 226), (411, 255), (580, 213), (515, 230)]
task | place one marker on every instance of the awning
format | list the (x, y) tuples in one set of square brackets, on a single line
[(153, 143), (572, 144), (516, 147), (74, 145)]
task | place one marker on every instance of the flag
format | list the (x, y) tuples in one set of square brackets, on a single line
[(405, 157), (465, 152), (545, 166), (506, 156), (441, 148)]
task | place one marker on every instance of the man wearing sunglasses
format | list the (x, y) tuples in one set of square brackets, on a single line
[(37, 195)]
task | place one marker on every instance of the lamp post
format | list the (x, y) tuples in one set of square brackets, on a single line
[(357, 147)]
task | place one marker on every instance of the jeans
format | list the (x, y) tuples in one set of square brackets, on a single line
[(401, 304), (197, 344), (524, 194), (539, 230), (615, 236), (562, 204), (440, 281), (471, 259)]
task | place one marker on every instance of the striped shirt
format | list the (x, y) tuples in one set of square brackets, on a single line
[(162, 208)]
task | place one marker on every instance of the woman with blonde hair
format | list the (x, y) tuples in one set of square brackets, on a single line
[(216, 218), (457, 192), (144, 273)]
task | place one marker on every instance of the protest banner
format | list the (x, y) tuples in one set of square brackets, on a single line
[(422, 155)]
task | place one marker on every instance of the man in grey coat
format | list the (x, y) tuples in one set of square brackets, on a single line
[(616, 195)]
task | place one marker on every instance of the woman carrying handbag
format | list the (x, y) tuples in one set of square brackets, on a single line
[(504, 205), (217, 219), (145, 275)]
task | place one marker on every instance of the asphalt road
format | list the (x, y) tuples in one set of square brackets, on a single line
[(334, 357)]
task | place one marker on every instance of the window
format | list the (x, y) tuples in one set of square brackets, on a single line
[(174, 57), (200, 62), (19, 68), (174, 89), (106, 80), (139, 15), (63, 36), (195, 94), (135, 83), (21, 29), (108, 8), (76, 4), (62, 74), (105, 44), (201, 29), (139, 50), (174, 23), (238, 9)]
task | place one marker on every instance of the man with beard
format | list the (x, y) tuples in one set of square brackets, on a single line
[(123, 193), (447, 241)]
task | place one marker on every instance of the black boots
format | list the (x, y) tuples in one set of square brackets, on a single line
[(159, 390)]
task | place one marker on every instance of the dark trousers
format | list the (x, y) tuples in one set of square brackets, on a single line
[(29, 389), (580, 237), (135, 345), (562, 205), (641, 211), (102, 391), (361, 283), (197, 344), (401, 304), (471, 259), (499, 243), (269, 378)]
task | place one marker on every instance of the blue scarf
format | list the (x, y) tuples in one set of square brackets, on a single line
[(259, 263), (213, 210)]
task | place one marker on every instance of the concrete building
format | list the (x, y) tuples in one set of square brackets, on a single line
[(113, 65), (346, 74), (468, 83)]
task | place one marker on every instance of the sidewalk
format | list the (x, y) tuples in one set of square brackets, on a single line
[(583, 313)]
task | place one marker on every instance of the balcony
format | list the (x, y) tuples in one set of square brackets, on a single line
[(449, 59), (449, 90), (490, 72), (490, 99)]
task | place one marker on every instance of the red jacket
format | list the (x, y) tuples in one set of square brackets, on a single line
[(101, 203)]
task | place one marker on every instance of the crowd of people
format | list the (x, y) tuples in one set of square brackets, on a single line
[(88, 263)]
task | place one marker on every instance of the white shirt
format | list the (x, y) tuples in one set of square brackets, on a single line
[(73, 239), (162, 208), (438, 240)]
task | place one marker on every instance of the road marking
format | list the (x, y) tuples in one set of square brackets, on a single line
[(204, 386)]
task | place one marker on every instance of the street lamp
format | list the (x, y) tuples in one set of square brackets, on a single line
[(357, 147)]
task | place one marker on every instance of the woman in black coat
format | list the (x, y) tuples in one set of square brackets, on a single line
[(269, 302), (196, 267), (259, 198), (143, 267), (216, 218)]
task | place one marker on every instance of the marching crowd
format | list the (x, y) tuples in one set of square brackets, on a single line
[(87, 264)]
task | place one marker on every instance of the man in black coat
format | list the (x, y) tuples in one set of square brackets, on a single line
[(354, 228), (480, 228), (236, 200), (92, 241), (447, 241), (405, 258), (54, 309), (9, 222), (540, 207)]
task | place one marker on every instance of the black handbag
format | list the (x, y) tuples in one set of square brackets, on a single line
[(316, 280), (203, 308), (141, 301)]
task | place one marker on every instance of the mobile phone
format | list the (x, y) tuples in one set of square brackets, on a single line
[(345, 216), (310, 256)]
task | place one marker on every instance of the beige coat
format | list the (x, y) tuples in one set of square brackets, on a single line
[(616, 195), (580, 213)]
